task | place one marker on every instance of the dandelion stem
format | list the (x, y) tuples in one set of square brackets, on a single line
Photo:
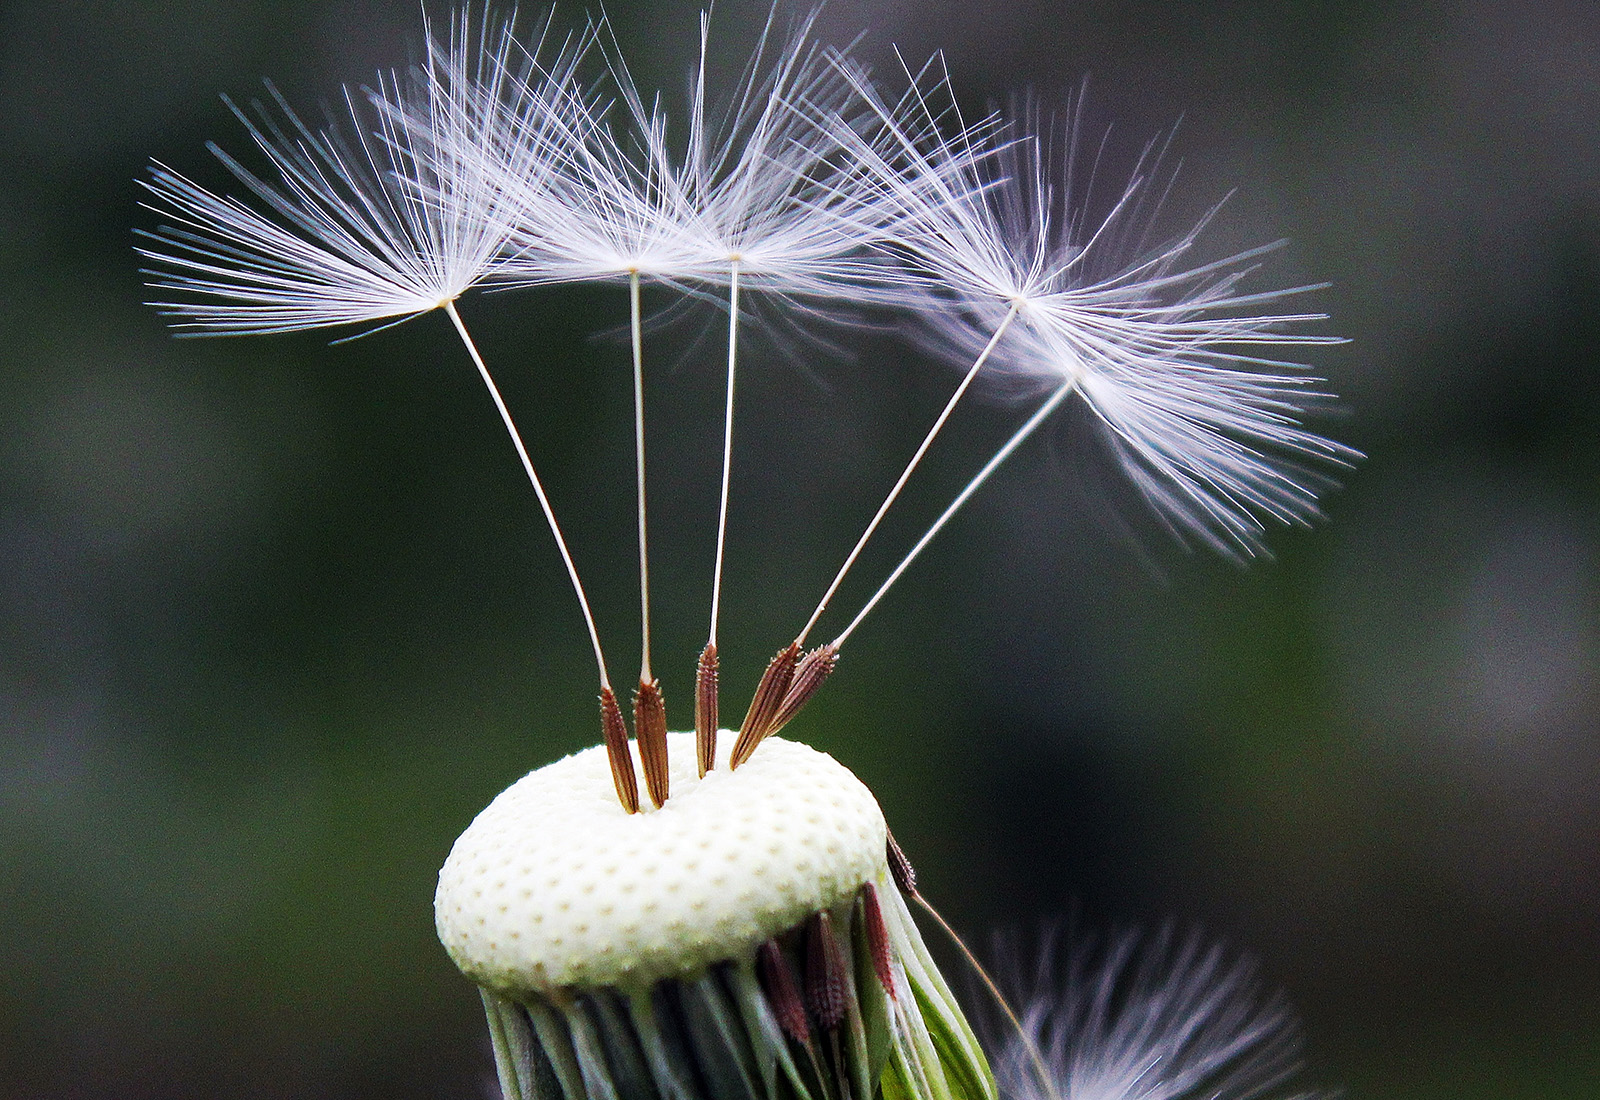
[(538, 488), (638, 435), (989, 468), (727, 445), (1034, 1056), (905, 476)]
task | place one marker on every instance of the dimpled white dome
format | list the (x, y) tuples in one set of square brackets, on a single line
[(554, 884)]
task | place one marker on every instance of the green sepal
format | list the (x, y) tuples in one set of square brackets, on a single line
[(956, 1047), (630, 1069), (727, 1057), (863, 1073), (551, 1033), (875, 1001), (505, 1061), (674, 1080), (591, 1054), (760, 1021), (962, 1077)]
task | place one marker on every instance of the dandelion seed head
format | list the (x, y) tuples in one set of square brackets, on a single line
[(496, 159)]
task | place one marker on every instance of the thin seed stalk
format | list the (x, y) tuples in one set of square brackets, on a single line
[(1020, 436), (905, 475), (706, 717), (610, 715), (727, 446), (638, 435)]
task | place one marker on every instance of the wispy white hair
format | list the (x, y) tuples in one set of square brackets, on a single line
[(396, 215), (1214, 446), (1183, 366), (1164, 1017), (754, 177)]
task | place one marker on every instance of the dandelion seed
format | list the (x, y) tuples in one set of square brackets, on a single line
[(1175, 361), (1166, 1017), (1178, 362), (398, 217)]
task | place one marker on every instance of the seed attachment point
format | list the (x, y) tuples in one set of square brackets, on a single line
[(905, 877), (615, 731), (705, 709), (769, 697), (813, 668), (877, 934), (650, 727), (777, 981)]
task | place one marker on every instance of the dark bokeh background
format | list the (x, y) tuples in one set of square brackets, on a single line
[(277, 618)]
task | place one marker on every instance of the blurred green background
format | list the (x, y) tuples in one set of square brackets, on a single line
[(277, 618)]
